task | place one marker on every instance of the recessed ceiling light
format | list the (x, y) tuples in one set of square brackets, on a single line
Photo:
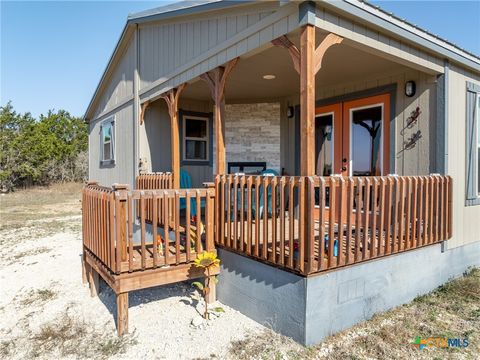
[(269, 77)]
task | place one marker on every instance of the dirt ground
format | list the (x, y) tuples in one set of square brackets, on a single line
[(46, 312)]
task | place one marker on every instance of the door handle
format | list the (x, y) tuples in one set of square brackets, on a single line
[(344, 160), (344, 168)]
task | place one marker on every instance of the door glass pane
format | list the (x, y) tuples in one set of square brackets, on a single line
[(366, 141), (324, 145)]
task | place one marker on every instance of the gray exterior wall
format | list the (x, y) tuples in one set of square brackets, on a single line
[(421, 159), (310, 309), (173, 52), (466, 225), (123, 169)]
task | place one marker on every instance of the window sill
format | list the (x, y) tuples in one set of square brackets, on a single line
[(106, 163), (472, 202)]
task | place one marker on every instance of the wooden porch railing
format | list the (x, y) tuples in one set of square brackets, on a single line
[(154, 181), (116, 232), (289, 222)]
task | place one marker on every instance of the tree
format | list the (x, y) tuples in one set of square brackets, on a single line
[(52, 148)]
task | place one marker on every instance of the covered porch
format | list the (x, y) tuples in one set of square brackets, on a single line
[(305, 154)]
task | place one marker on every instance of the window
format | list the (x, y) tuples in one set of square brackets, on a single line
[(195, 138), (473, 144), (107, 135)]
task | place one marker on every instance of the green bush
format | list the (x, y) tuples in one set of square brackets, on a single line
[(40, 151)]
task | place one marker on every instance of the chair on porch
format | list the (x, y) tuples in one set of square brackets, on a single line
[(186, 183), (266, 172)]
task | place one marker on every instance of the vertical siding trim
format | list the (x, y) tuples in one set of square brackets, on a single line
[(441, 124), (136, 104), (473, 92)]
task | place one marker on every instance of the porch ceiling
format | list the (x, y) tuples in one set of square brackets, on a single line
[(341, 64)]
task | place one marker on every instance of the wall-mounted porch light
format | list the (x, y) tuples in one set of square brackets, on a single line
[(410, 88), (290, 112)]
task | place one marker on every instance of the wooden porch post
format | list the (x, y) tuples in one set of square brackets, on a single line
[(307, 62), (307, 101), (171, 97), (216, 80)]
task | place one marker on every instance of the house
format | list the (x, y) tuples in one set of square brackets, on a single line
[(332, 153)]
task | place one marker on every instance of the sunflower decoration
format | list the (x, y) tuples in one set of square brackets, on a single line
[(207, 260)]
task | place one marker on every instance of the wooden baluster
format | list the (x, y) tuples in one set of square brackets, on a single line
[(235, 212), (209, 218), (154, 228), (130, 231), (401, 214), (166, 227), (331, 221), (408, 219), (265, 218), (431, 204), (187, 226), (321, 221), (249, 215), (420, 205), (341, 219), (223, 193), (388, 208), (257, 215), (358, 223), (366, 217), (301, 225), (350, 218), (198, 201), (176, 226), (291, 223), (310, 233), (413, 219), (229, 215), (142, 230), (242, 212), (382, 240), (273, 187), (395, 217), (281, 259), (373, 217), (121, 224)]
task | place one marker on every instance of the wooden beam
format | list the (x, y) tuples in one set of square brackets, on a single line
[(307, 101), (216, 81), (285, 43), (330, 40), (172, 97)]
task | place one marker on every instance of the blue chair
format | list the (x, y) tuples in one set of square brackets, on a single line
[(186, 183), (266, 172)]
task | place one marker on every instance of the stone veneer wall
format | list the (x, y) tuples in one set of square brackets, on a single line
[(252, 133)]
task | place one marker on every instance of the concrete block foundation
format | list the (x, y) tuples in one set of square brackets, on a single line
[(310, 309)]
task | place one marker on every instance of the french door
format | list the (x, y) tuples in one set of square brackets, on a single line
[(352, 138)]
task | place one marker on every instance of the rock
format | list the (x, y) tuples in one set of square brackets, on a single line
[(197, 321)]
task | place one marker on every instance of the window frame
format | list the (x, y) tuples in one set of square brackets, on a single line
[(472, 178), (208, 118), (110, 161)]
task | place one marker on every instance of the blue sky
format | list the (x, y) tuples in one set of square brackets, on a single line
[(54, 53)]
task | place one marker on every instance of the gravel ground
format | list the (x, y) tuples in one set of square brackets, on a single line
[(46, 311)]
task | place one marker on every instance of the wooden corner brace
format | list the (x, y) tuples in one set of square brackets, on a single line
[(216, 81), (330, 40), (143, 108)]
